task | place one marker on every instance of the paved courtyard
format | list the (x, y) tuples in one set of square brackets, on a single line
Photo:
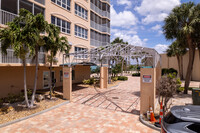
[(113, 110)]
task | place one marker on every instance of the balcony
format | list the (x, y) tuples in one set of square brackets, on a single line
[(6, 17), (102, 28), (99, 11), (11, 58)]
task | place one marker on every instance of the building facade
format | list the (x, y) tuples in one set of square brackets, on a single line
[(85, 23)]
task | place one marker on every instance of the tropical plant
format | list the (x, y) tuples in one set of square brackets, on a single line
[(166, 89), (36, 25), (175, 49), (54, 44), (118, 40), (18, 37), (183, 24)]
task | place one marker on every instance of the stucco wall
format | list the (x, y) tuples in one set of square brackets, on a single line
[(81, 73), (11, 79), (171, 62)]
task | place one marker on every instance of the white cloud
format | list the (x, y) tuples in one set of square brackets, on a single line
[(161, 48), (156, 27), (123, 19), (156, 10), (128, 3), (131, 39), (131, 31)]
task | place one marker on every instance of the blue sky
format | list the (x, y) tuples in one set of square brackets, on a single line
[(140, 21)]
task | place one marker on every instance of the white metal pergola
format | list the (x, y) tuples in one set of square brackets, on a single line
[(105, 55)]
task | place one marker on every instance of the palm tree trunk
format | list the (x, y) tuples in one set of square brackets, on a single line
[(36, 75), (181, 71), (51, 76), (190, 64), (25, 85), (179, 65)]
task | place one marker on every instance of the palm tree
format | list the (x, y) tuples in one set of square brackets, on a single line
[(17, 36), (54, 44), (37, 25), (181, 24), (175, 49)]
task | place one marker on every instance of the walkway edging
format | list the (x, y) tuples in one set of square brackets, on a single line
[(147, 124), (32, 115)]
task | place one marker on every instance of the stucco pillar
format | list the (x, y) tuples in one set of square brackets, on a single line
[(67, 83), (103, 77), (147, 89)]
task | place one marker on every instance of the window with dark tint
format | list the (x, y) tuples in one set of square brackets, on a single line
[(38, 9), (26, 5), (41, 1), (194, 127), (9, 5), (73, 74)]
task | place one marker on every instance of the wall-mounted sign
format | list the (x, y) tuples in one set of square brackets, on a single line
[(146, 78), (66, 75)]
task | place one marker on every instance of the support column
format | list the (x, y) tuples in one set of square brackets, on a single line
[(67, 83), (147, 89), (103, 78)]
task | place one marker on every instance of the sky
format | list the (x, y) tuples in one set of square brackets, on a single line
[(140, 22)]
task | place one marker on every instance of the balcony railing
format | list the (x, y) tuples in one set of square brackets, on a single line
[(11, 58), (99, 11), (97, 43), (102, 28), (6, 17)]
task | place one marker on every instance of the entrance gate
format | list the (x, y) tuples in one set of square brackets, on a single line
[(110, 55)]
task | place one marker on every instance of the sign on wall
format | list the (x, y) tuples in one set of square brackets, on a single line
[(66, 75), (146, 78)]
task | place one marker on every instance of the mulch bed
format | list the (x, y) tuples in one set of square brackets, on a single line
[(18, 110)]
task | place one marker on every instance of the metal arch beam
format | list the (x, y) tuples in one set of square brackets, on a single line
[(113, 51)]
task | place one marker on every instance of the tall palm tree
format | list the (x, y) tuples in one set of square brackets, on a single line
[(181, 24), (54, 44), (37, 25), (175, 49), (17, 36)]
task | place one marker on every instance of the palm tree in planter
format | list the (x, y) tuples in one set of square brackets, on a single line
[(175, 49), (54, 44), (17, 36), (182, 23)]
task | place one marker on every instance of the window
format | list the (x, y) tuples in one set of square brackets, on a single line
[(35, 9), (62, 24), (73, 74), (81, 32), (79, 49), (63, 3), (61, 76), (81, 11), (41, 1)]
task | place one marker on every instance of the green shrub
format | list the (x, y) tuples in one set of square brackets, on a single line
[(123, 78), (114, 78), (166, 71), (89, 81), (180, 89), (136, 74)]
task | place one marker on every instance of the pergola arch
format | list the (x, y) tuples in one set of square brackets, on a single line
[(106, 53)]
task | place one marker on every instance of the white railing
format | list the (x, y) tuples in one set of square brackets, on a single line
[(11, 58), (102, 28), (6, 17), (99, 11)]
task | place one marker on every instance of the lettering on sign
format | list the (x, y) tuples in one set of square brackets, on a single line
[(146, 78), (66, 74)]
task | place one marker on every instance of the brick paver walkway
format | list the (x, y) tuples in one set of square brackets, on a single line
[(87, 115), (125, 97)]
